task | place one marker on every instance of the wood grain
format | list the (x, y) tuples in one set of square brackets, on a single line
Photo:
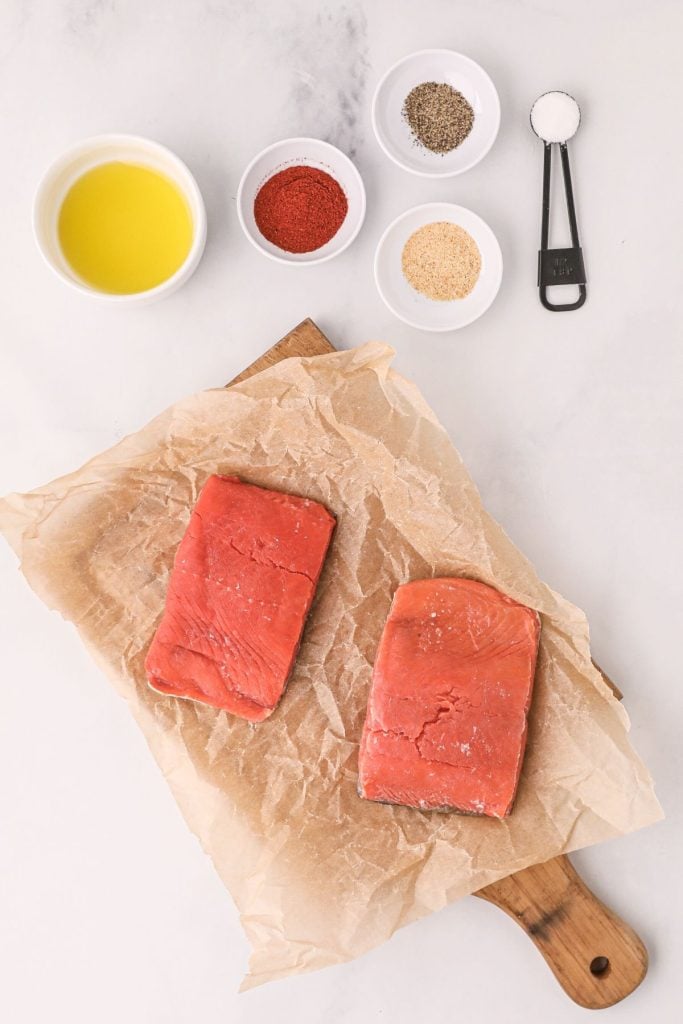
[(596, 957), (305, 340)]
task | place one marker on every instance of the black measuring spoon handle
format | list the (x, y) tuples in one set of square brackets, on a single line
[(569, 193), (547, 170), (560, 266)]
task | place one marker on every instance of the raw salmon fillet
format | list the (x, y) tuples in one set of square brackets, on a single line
[(243, 580), (447, 716)]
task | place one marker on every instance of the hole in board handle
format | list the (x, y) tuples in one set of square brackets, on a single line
[(599, 966)]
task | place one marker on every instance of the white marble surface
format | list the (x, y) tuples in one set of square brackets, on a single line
[(571, 425)]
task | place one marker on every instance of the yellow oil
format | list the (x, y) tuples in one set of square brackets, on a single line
[(124, 228)]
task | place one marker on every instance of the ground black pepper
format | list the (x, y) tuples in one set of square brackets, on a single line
[(439, 116)]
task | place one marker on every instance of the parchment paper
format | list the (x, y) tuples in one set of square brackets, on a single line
[(319, 875)]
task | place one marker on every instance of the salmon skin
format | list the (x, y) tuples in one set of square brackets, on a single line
[(451, 688), (242, 583)]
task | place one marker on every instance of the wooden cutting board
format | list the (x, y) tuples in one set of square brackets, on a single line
[(596, 957)]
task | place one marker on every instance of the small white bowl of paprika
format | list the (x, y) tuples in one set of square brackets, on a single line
[(301, 201)]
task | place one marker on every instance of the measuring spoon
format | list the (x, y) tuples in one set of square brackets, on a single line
[(555, 118)]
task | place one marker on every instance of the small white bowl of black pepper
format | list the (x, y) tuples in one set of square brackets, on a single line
[(436, 113)]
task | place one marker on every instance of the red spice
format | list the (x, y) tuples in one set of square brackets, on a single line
[(300, 209)]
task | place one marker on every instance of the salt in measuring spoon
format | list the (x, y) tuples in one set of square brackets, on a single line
[(555, 118)]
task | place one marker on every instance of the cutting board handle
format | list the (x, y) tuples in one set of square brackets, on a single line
[(596, 957)]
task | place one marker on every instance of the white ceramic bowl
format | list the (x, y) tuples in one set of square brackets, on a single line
[(67, 168), (393, 132), (290, 153), (416, 309)]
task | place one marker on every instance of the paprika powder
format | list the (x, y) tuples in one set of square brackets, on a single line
[(300, 209)]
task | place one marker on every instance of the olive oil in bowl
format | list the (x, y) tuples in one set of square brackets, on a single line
[(124, 228)]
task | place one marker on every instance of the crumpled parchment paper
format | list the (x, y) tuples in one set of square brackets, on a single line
[(319, 875)]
